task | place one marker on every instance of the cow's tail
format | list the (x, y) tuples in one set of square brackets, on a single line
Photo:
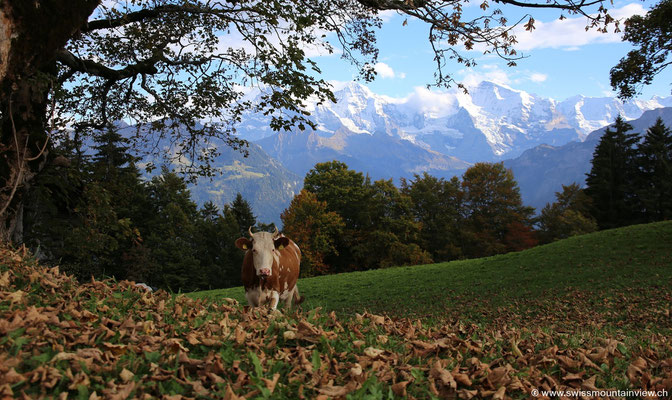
[(297, 299)]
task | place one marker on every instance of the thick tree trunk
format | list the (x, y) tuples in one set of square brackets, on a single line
[(31, 32)]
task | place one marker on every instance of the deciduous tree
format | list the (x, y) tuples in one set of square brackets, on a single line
[(315, 229), (569, 215), (651, 34), (178, 67), (493, 207), (437, 205)]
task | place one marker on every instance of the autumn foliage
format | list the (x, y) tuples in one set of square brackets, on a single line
[(106, 339)]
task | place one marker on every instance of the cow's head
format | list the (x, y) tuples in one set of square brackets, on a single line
[(265, 248)]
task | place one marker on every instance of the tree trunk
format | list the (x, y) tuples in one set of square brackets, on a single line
[(31, 32)]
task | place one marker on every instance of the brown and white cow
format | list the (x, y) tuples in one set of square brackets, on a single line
[(270, 269)]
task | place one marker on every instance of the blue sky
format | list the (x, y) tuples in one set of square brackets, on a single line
[(563, 59)]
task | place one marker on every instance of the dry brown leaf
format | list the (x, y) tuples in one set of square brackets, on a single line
[(271, 383), (240, 334), (12, 376), (373, 352), (192, 339), (126, 375), (289, 335), (443, 375), (356, 370), (499, 394), (399, 388), (16, 297), (337, 391), (4, 279), (229, 394), (589, 384), (467, 394), (462, 379), (173, 345), (115, 349)]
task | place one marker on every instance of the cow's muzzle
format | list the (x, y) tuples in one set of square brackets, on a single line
[(264, 272)]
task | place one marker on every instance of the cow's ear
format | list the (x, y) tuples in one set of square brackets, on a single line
[(243, 243), (281, 243)]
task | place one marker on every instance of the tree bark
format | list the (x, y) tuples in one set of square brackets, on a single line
[(31, 33)]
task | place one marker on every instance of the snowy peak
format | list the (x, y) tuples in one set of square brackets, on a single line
[(491, 122)]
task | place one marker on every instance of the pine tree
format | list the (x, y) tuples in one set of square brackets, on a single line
[(171, 234), (242, 213), (215, 249), (611, 181), (655, 162)]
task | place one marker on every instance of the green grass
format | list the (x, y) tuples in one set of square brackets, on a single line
[(598, 266)]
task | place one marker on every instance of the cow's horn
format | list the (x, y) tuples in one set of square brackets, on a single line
[(249, 230), (276, 233)]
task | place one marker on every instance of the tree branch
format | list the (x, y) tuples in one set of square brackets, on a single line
[(77, 64), (150, 13)]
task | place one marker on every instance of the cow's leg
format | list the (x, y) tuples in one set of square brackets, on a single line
[(252, 297), (275, 298), (290, 297), (297, 299)]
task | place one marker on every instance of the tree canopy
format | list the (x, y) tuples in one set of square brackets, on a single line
[(652, 36), (179, 69)]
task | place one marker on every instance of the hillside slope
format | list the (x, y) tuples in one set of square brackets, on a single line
[(104, 339), (637, 257)]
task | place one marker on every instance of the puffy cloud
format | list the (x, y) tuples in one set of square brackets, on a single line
[(537, 77), (570, 33), (386, 72)]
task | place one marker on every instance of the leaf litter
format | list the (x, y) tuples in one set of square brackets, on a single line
[(113, 340)]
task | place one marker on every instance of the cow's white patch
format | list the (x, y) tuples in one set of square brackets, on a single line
[(257, 297), (286, 293)]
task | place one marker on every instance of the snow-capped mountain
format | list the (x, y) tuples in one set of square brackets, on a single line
[(491, 122)]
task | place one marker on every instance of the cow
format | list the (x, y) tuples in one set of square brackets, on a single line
[(270, 269)]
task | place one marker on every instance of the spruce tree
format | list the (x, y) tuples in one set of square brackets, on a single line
[(611, 181), (655, 163), (242, 213)]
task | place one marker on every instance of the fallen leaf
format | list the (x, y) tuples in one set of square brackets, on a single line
[(126, 375), (399, 388)]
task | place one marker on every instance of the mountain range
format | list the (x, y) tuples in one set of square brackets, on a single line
[(442, 133), (542, 170)]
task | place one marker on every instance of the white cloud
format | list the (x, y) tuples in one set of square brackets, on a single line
[(571, 33), (386, 72), (491, 73), (537, 77)]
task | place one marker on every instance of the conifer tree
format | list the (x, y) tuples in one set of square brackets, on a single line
[(610, 183), (171, 233), (218, 257), (242, 213), (655, 162)]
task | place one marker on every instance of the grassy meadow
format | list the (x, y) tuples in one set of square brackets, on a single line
[(587, 313), (589, 271)]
